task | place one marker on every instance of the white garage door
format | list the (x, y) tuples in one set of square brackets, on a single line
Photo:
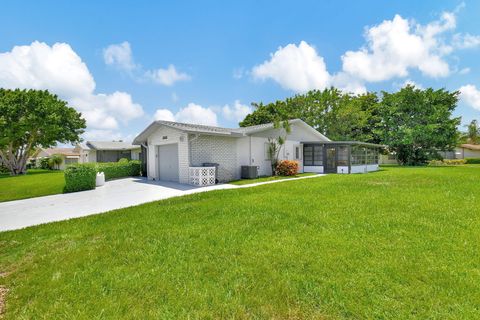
[(168, 162)]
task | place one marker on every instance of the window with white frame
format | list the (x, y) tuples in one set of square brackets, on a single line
[(266, 148), (297, 152)]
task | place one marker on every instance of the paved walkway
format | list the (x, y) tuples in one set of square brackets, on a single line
[(115, 194)]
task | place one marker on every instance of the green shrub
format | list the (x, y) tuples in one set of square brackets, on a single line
[(79, 177), (472, 160), (123, 160), (287, 168), (446, 162), (44, 163), (119, 169)]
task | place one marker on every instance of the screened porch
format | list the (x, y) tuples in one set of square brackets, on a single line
[(340, 157)]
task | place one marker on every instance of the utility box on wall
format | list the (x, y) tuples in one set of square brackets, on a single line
[(249, 172)]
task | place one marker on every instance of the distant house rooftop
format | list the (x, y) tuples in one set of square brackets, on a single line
[(109, 145), (62, 151), (470, 146)]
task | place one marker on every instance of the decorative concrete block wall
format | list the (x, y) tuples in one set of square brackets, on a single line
[(216, 149)]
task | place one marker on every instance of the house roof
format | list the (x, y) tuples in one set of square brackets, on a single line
[(353, 143), (470, 146), (212, 130), (62, 151), (110, 145)]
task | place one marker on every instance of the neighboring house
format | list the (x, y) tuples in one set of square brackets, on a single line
[(170, 149), (68, 155), (467, 151), (107, 151)]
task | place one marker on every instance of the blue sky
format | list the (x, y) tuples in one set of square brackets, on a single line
[(120, 62)]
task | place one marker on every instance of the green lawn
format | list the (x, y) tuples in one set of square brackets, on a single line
[(269, 178), (35, 183), (402, 243)]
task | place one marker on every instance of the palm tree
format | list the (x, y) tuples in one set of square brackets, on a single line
[(473, 132), (55, 161)]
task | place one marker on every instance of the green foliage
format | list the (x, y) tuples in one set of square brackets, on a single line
[(79, 177), (340, 116), (472, 160), (123, 160), (55, 161), (275, 143), (113, 170), (34, 118), (447, 162), (416, 123), (44, 163), (473, 132)]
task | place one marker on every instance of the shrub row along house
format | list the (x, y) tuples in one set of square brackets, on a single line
[(92, 151), (174, 150)]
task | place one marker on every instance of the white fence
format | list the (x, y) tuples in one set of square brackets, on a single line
[(201, 176)]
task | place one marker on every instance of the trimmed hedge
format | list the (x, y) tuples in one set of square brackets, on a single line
[(472, 160), (79, 177), (114, 170)]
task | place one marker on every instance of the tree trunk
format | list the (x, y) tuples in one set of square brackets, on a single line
[(15, 161)]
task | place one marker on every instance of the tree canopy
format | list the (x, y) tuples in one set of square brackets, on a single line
[(413, 123), (338, 115), (416, 123), (34, 118)]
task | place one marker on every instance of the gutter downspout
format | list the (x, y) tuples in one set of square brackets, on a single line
[(250, 150)]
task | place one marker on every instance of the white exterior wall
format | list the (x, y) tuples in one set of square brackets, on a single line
[(342, 169), (172, 136), (364, 168), (216, 149), (315, 169), (462, 153), (135, 154)]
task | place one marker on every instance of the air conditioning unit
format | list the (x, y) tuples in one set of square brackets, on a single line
[(249, 172)]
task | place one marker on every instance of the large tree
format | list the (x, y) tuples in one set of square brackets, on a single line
[(30, 119), (416, 124), (338, 115)]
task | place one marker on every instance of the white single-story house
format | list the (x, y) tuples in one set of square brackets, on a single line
[(173, 150), (68, 155), (467, 151), (107, 151)]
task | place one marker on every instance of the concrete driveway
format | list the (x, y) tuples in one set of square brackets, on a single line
[(114, 194)]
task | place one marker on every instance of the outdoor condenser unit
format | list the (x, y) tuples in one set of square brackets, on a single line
[(249, 172)]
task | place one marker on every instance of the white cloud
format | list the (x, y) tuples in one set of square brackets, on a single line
[(238, 73), (237, 112), (192, 113), (167, 77), (120, 56), (38, 66), (347, 83), (464, 71), (395, 46), (470, 95), (164, 114), (60, 70), (298, 68), (466, 41), (100, 134)]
